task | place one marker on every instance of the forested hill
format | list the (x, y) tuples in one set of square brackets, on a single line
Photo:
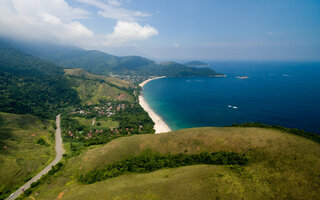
[(31, 85), (98, 62), (173, 69)]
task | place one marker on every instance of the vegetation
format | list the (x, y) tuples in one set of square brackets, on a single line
[(41, 141), (101, 63), (282, 166), (80, 73), (20, 156), (150, 161), (30, 85), (173, 69), (123, 119), (98, 62), (311, 136), (43, 178)]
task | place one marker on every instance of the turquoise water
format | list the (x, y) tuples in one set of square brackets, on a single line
[(286, 94)]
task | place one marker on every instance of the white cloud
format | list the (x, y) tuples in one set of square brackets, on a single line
[(52, 20), (114, 2), (129, 31), (176, 45), (57, 21), (111, 9)]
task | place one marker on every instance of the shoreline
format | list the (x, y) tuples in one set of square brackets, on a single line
[(159, 124)]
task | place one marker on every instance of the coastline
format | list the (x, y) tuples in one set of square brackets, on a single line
[(159, 124)]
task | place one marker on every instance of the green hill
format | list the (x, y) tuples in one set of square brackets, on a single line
[(98, 62), (282, 166), (80, 73), (91, 88), (22, 151), (31, 85), (102, 63), (173, 69)]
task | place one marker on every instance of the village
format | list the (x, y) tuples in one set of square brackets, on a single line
[(97, 124), (108, 109)]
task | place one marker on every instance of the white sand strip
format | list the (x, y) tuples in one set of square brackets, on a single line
[(160, 126)]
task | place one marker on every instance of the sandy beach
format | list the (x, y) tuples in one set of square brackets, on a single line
[(160, 126)]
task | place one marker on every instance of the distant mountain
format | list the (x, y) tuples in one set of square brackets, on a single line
[(196, 64), (104, 64), (173, 69), (31, 85)]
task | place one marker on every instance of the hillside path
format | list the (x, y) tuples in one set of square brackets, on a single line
[(59, 151)]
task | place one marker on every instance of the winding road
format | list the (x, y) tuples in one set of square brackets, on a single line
[(59, 151)]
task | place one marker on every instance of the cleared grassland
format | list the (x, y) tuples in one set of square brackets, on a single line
[(90, 91), (283, 166), (103, 123), (20, 156), (87, 75)]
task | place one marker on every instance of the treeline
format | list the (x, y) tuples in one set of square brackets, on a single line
[(29, 85), (150, 161), (309, 135)]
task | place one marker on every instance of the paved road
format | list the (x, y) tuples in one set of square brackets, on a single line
[(59, 151)]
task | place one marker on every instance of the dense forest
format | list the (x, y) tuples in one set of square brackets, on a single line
[(31, 85)]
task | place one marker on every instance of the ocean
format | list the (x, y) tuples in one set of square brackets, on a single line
[(276, 93)]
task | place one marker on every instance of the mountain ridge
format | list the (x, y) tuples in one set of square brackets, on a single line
[(101, 63)]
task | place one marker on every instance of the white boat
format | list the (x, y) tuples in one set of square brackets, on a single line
[(229, 106), (235, 107)]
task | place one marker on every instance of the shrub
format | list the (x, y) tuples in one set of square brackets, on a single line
[(150, 161), (41, 141)]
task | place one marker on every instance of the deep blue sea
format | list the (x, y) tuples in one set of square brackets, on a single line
[(286, 94)]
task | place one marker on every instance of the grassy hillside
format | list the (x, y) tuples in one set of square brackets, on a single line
[(80, 73), (21, 155), (282, 166), (91, 88)]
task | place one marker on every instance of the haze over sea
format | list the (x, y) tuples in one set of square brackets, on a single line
[(276, 93)]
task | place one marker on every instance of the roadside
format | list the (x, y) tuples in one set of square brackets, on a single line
[(59, 153)]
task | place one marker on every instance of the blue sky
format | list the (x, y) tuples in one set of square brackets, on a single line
[(173, 29)]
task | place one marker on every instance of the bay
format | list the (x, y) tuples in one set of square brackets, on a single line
[(276, 93)]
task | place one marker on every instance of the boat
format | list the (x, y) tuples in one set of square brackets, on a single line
[(242, 77)]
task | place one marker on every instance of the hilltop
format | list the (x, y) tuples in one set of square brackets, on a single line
[(281, 166)]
